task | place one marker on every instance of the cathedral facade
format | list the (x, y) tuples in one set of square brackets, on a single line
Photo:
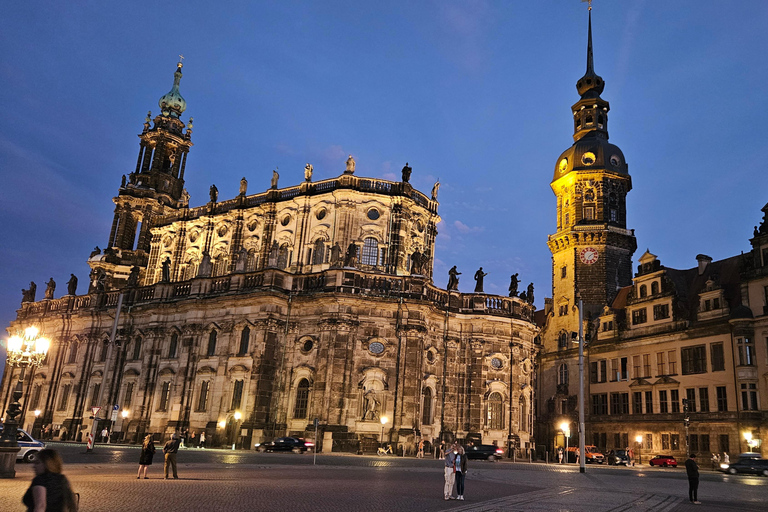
[(676, 361), (274, 312)]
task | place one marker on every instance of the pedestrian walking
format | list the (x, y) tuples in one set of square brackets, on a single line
[(104, 435), (147, 454), (192, 438), (461, 472), (692, 469), (170, 450), (726, 458), (420, 455), (50, 490), (560, 454), (442, 449), (202, 439), (450, 472)]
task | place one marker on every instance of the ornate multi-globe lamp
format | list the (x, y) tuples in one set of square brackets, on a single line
[(27, 348)]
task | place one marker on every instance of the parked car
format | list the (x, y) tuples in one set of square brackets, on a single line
[(663, 461), (29, 446), (617, 457), (483, 451), (747, 463), (592, 454), (286, 444)]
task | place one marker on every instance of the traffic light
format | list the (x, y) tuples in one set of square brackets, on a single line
[(686, 422), (685, 405)]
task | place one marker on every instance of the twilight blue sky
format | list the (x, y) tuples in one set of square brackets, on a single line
[(477, 93)]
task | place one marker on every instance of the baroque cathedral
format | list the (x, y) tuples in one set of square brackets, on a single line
[(273, 313)]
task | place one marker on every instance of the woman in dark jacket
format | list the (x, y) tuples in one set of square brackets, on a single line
[(461, 472), (50, 490), (147, 452)]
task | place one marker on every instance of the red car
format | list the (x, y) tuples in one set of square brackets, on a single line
[(663, 461)]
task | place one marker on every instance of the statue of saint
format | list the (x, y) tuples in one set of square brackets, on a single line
[(335, 254), (514, 282), (205, 267), (530, 293), (184, 198), (243, 186), (479, 275), (72, 285), (242, 260), (133, 277), (275, 177), (167, 270), (453, 278), (351, 257), (308, 172), (416, 262), (435, 188), (122, 182), (371, 405), (406, 173), (214, 193), (350, 165), (50, 287), (95, 252), (29, 295)]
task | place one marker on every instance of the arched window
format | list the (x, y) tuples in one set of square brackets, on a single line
[(426, 410), (104, 347), (137, 348), (588, 120), (250, 264), (72, 353), (245, 337), (370, 251), (523, 409), (318, 255), (219, 265), (302, 399), (562, 374), (212, 343), (495, 419), (282, 256), (165, 397), (655, 288), (202, 399), (190, 270), (562, 341), (643, 291), (173, 346)]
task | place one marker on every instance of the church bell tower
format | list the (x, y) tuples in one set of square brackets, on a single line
[(153, 189), (592, 248)]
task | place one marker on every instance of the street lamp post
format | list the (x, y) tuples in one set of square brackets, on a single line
[(27, 349), (639, 440), (384, 421)]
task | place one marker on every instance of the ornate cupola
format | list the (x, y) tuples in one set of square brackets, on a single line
[(154, 188)]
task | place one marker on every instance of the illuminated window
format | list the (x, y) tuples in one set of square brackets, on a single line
[(746, 351)]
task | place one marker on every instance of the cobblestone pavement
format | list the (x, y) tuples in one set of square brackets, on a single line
[(214, 480)]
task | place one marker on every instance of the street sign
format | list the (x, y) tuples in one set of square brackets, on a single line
[(114, 416), (115, 407), (95, 411)]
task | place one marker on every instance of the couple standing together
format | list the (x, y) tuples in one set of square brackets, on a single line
[(455, 471)]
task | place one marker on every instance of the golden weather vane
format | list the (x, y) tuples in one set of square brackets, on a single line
[(589, 2)]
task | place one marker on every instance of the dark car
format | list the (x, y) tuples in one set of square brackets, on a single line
[(617, 457), (483, 451), (663, 461), (747, 465), (286, 444)]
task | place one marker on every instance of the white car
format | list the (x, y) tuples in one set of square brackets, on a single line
[(28, 447)]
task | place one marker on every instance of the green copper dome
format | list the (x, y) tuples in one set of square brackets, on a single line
[(172, 104)]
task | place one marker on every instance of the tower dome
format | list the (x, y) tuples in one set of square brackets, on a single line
[(172, 104)]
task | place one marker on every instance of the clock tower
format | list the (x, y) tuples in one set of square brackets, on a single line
[(592, 248)]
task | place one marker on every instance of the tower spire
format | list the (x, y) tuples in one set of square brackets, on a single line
[(590, 61)]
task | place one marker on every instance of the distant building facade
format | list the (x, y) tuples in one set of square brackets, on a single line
[(251, 317)]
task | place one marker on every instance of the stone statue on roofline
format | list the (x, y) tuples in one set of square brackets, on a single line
[(213, 192), (308, 169), (72, 285), (29, 294), (243, 186), (275, 177), (435, 188), (479, 276), (49, 289), (453, 278), (514, 282), (407, 173), (350, 166)]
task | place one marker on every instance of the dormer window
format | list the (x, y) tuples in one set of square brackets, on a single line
[(655, 288), (643, 291)]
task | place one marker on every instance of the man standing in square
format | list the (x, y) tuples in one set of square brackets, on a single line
[(170, 450), (692, 469), (450, 471)]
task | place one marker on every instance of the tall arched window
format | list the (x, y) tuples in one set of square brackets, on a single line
[(72, 353), (282, 256), (643, 291), (103, 355), (302, 399), (562, 374), (250, 264), (173, 346), (245, 337), (495, 419), (219, 265), (137, 348), (190, 270), (212, 343), (562, 340), (318, 254), (370, 251), (655, 288), (165, 397), (426, 410), (523, 409)]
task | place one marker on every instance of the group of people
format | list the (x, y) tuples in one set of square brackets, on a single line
[(170, 449), (455, 472)]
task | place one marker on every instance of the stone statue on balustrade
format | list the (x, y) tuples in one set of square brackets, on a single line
[(435, 188), (479, 276), (213, 192), (350, 166), (523, 297), (122, 182), (416, 263), (184, 198), (205, 268), (336, 254), (275, 177), (407, 173), (350, 259), (242, 260), (514, 282), (133, 277), (29, 295), (167, 270), (529, 297), (72, 285), (453, 278), (95, 252), (370, 406), (308, 172), (49, 288), (243, 186)]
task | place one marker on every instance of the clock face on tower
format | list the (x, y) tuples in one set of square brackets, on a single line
[(588, 255)]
